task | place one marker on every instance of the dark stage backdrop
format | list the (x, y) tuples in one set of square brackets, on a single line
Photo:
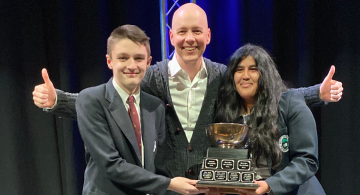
[(42, 154)]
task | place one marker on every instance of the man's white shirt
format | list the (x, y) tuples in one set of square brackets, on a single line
[(187, 96)]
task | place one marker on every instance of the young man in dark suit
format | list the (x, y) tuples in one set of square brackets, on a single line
[(122, 126)]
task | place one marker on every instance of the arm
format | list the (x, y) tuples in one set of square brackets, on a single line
[(303, 145), (54, 101), (329, 91), (311, 95), (64, 105)]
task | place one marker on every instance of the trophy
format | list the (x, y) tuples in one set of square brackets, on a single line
[(226, 166)]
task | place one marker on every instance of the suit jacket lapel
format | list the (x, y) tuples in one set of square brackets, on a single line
[(121, 116), (147, 129)]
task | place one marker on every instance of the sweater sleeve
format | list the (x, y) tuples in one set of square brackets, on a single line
[(65, 105), (311, 95)]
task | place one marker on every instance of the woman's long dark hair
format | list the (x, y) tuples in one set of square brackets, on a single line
[(263, 133)]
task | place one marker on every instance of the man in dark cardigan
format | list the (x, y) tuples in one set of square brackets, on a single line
[(188, 85)]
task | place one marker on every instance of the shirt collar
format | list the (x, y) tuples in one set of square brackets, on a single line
[(174, 68), (124, 96)]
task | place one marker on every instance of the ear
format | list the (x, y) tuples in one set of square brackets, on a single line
[(148, 62), (208, 36), (171, 37), (108, 61)]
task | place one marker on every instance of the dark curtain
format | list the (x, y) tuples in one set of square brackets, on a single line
[(42, 154)]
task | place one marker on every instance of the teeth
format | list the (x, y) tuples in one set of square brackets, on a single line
[(189, 48)]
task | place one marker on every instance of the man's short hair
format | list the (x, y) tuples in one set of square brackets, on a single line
[(131, 32)]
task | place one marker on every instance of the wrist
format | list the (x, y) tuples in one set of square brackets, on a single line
[(268, 191), (320, 95), (171, 185)]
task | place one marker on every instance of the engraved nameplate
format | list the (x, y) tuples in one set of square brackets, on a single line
[(220, 175), (227, 164), (207, 175), (233, 176), (247, 177), (244, 165), (211, 163)]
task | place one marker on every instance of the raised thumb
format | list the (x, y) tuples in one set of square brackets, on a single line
[(331, 73), (46, 78)]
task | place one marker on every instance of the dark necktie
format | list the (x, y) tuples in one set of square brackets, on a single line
[(135, 120)]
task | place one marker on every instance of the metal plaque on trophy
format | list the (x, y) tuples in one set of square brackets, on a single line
[(226, 166)]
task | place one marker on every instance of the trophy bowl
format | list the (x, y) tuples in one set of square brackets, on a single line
[(226, 135)]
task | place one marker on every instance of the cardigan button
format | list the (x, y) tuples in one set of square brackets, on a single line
[(168, 105), (191, 172), (191, 148)]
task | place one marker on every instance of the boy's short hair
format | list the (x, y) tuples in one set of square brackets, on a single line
[(131, 32)]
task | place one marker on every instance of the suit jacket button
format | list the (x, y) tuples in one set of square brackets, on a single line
[(191, 171), (178, 129), (190, 148), (168, 105)]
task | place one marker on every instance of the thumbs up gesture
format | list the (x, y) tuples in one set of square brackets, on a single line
[(44, 95), (331, 90)]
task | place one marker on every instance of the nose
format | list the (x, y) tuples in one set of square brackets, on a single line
[(132, 65), (245, 75), (190, 38)]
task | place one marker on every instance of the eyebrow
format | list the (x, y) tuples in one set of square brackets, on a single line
[(249, 66), (184, 28), (120, 54), (124, 53), (139, 55)]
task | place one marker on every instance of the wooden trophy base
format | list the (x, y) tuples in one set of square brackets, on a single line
[(226, 187)]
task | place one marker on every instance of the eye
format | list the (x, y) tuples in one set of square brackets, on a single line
[(139, 58), (253, 69), (181, 32), (122, 58), (239, 69), (197, 32)]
